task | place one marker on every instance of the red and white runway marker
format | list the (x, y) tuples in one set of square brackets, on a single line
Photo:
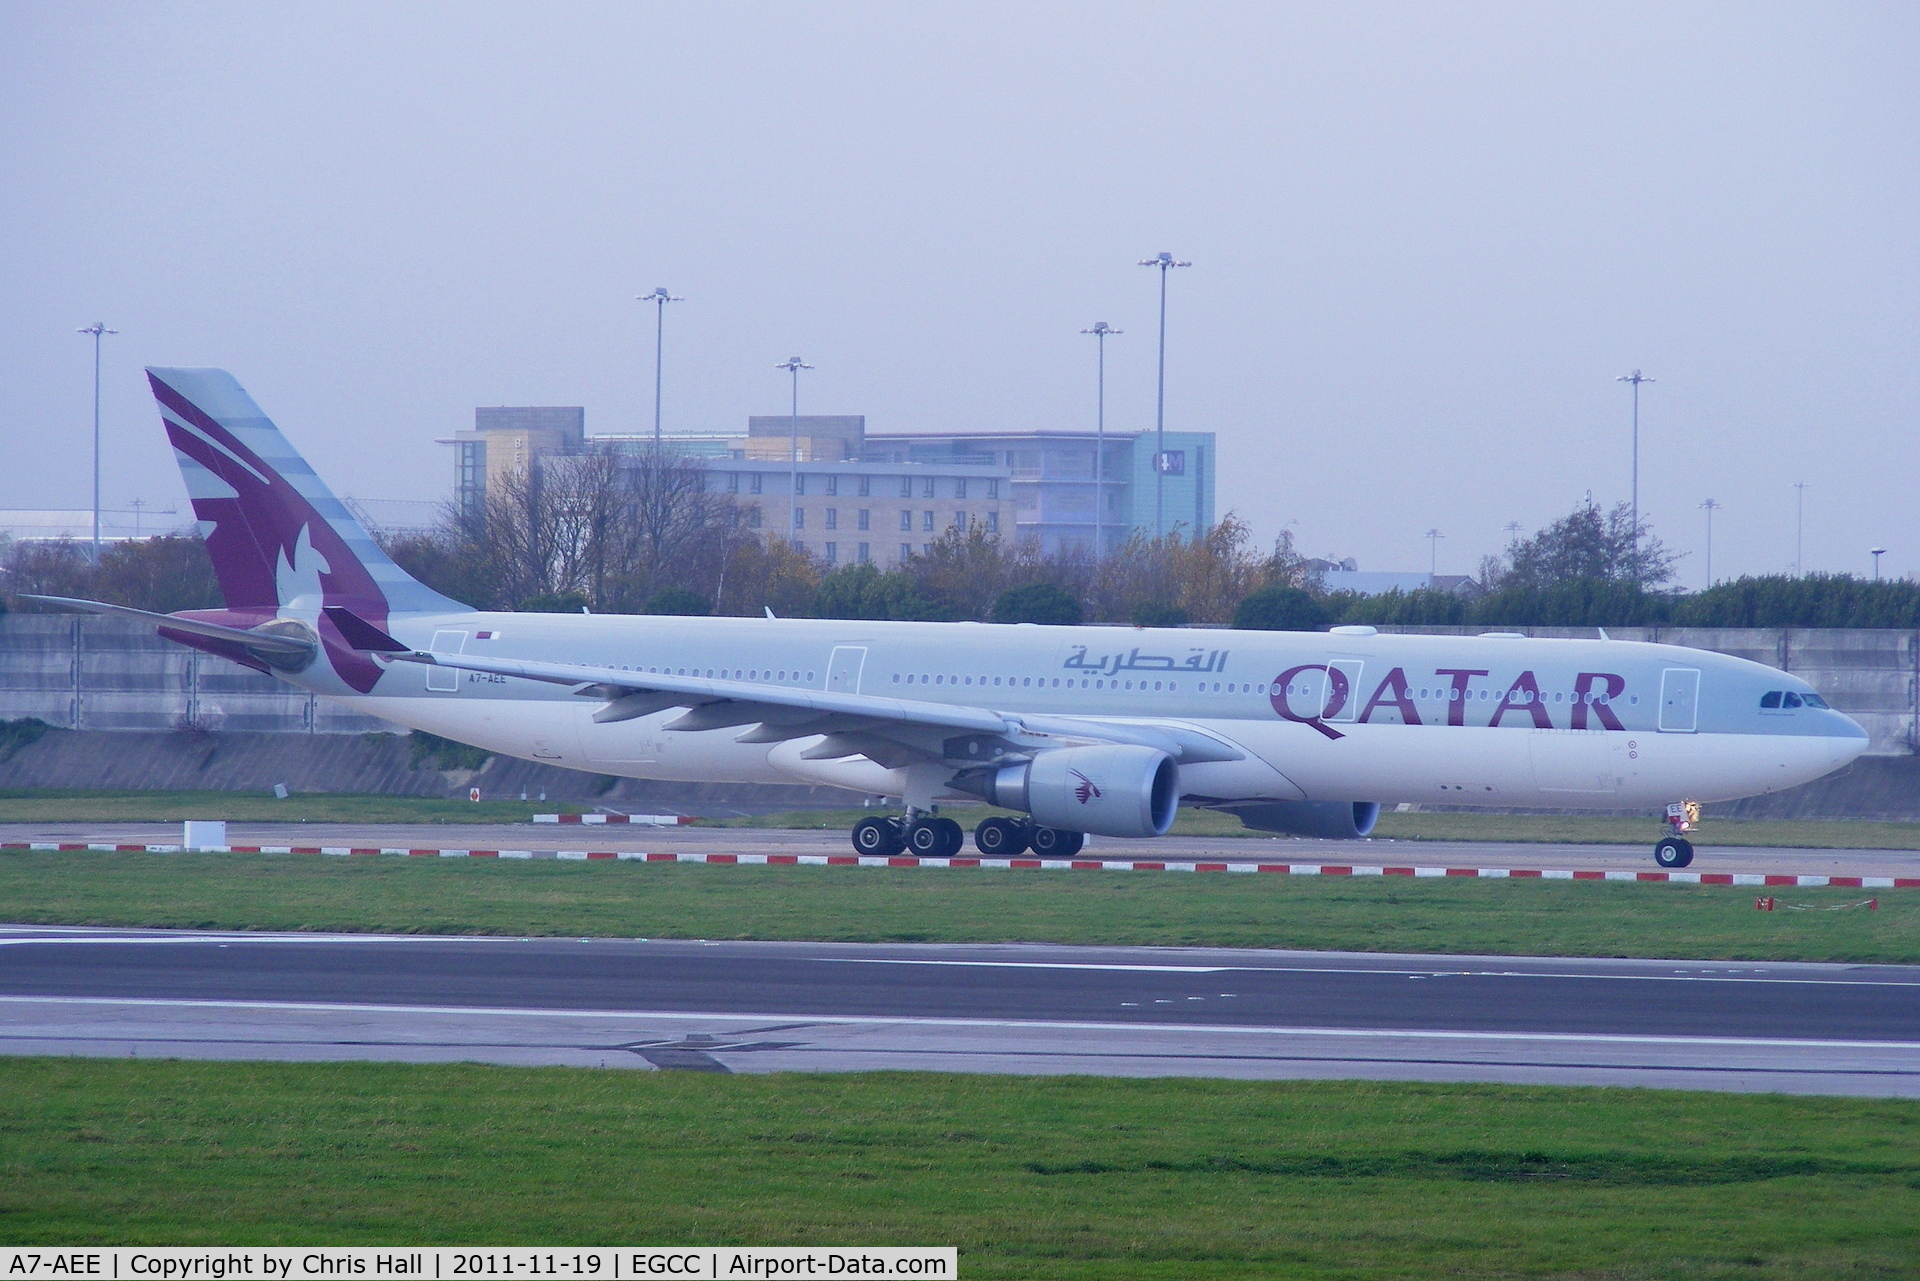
[(1036, 864)]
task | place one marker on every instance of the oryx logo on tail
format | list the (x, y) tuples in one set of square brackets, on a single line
[(280, 542)]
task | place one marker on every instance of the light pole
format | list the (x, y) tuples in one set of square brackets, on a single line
[(1799, 522), (1709, 506), (1165, 262), (1636, 378), (1878, 552), (97, 329), (793, 365), (1433, 537), (1101, 331), (660, 298)]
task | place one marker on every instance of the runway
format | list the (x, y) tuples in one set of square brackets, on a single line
[(763, 1007), (1737, 860)]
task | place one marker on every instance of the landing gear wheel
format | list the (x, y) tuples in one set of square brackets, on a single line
[(935, 838), (1673, 851), (877, 838), (1000, 837), (1051, 842), (953, 837)]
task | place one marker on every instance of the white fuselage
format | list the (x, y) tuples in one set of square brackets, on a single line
[(1502, 721)]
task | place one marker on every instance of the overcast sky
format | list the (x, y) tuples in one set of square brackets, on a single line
[(1425, 241)]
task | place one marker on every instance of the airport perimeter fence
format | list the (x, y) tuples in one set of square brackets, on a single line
[(83, 672)]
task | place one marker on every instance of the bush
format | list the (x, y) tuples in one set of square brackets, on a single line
[(555, 603), (1423, 607), (1036, 603), (1280, 609), (1158, 613), (677, 600), (24, 732), (1815, 600), (445, 753)]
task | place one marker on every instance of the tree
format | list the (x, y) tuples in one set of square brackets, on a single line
[(1280, 609), (163, 574), (862, 591), (1204, 577), (1586, 544), (1036, 603), (614, 528)]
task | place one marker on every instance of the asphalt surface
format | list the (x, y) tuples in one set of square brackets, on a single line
[(1737, 859), (1009, 1008)]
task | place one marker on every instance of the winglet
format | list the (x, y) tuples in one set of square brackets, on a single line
[(362, 635)]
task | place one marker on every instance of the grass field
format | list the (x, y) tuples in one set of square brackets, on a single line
[(1049, 1177), (660, 900), (257, 807)]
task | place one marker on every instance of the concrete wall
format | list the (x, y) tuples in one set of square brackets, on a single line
[(84, 672), (378, 763)]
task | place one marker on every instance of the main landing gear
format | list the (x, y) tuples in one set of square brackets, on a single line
[(1674, 850), (929, 836), (1012, 837)]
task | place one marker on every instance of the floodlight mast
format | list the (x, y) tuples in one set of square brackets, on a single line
[(660, 298), (1710, 506), (793, 365), (1636, 378), (1165, 262), (1101, 331), (98, 328)]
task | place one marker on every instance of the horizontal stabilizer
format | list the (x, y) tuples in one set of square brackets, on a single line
[(359, 633), (267, 642)]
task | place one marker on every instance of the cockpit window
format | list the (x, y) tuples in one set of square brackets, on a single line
[(1789, 699), (1813, 700), (1770, 699)]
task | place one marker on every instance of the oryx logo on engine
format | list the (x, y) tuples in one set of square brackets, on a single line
[(1086, 790)]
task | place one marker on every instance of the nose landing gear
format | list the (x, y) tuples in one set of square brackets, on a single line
[(1674, 850)]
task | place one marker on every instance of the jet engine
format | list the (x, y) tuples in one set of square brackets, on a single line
[(1330, 820), (1116, 789)]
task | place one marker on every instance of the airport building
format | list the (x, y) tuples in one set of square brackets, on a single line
[(857, 496)]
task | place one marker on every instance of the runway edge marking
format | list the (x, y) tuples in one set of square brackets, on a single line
[(1004, 864)]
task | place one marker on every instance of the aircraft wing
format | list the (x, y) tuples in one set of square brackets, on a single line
[(890, 731)]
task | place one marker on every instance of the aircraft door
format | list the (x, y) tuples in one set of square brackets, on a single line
[(1349, 708), (1679, 700), (843, 669), (445, 680)]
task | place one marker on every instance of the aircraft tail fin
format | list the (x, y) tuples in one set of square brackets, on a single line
[(277, 536)]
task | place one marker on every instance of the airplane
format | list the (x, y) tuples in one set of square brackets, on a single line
[(1081, 730)]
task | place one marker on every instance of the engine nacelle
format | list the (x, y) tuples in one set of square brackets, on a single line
[(1111, 790), (1330, 820)]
